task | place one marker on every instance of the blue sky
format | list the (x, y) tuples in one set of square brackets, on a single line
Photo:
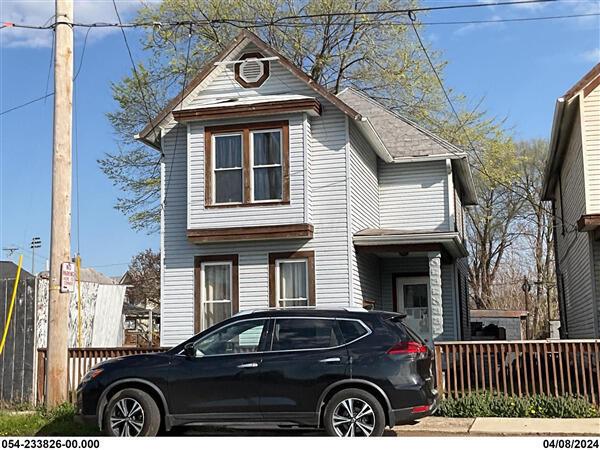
[(518, 68)]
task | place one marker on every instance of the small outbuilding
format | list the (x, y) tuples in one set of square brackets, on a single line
[(498, 324)]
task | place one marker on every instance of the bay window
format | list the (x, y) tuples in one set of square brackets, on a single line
[(247, 165)]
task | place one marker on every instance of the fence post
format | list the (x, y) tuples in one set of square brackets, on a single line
[(439, 372), (41, 376)]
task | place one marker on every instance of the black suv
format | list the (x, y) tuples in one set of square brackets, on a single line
[(350, 371)]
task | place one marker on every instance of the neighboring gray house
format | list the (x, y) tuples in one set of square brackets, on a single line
[(572, 184), (278, 193)]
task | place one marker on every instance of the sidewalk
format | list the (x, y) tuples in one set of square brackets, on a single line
[(496, 426)]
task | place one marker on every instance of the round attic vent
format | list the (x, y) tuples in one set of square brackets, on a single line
[(250, 72)]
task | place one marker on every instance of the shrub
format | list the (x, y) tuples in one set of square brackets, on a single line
[(542, 406)]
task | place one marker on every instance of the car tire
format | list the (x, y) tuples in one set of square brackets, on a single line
[(354, 412), (131, 412)]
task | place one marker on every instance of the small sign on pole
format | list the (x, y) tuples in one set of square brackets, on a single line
[(67, 277)]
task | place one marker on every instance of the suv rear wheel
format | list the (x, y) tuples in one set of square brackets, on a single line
[(131, 412), (354, 412)]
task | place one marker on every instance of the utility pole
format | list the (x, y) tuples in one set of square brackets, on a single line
[(36, 242), (60, 251)]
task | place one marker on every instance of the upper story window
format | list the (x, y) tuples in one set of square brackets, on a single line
[(246, 165)]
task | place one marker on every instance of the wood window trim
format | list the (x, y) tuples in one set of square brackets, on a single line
[(309, 255), (252, 84), (245, 129), (254, 233), (235, 284), (233, 111)]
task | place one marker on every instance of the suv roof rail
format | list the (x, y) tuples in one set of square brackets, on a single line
[(272, 308)]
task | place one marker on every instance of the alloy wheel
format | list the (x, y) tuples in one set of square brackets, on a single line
[(127, 417), (353, 417)]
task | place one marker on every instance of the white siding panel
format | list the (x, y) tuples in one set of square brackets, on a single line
[(413, 196), (364, 206)]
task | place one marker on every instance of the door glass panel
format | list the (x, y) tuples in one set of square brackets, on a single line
[(240, 337), (416, 307), (303, 334)]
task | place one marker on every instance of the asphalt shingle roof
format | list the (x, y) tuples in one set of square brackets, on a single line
[(401, 137)]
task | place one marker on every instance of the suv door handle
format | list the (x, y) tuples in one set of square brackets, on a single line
[(330, 360), (248, 365)]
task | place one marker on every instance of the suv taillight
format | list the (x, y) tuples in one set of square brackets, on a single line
[(410, 347)]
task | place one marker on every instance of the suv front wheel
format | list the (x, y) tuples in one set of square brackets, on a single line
[(354, 412), (131, 412)]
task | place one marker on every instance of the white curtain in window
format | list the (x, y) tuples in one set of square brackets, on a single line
[(228, 151), (217, 294), (292, 280)]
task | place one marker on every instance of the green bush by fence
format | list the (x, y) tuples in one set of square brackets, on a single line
[(488, 405)]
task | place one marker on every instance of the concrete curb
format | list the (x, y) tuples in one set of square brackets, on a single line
[(500, 426)]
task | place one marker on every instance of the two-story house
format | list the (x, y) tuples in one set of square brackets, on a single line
[(572, 184), (278, 193)]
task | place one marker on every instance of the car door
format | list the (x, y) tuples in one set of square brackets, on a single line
[(306, 355), (222, 379)]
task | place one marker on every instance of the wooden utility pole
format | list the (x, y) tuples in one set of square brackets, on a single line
[(60, 245)]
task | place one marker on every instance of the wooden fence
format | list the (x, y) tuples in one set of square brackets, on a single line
[(521, 368), (80, 361)]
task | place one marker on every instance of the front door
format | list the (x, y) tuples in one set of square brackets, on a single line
[(222, 380), (412, 294)]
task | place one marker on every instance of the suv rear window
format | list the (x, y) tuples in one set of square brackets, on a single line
[(351, 329), (403, 331), (303, 334)]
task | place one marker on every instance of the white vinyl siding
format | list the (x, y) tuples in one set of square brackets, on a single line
[(413, 196), (574, 246), (330, 242), (364, 206)]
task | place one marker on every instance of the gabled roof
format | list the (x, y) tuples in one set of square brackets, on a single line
[(8, 271), (562, 123), (244, 36)]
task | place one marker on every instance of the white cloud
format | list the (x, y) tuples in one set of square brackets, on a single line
[(466, 29), (592, 56), (40, 12)]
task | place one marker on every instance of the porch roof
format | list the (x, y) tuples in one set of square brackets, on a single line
[(411, 240)]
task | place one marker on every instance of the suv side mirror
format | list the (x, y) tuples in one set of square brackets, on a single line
[(189, 350)]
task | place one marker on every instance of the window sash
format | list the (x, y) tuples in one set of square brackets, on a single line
[(265, 166), (203, 297), (280, 300), (216, 169)]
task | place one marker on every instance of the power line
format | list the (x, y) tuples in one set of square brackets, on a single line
[(135, 72), (283, 19), (460, 122), (178, 126)]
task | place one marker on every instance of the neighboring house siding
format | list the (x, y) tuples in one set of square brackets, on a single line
[(413, 196), (364, 208), (596, 253), (201, 217), (591, 146), (573, 246), (463, 315), (330, 242)]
